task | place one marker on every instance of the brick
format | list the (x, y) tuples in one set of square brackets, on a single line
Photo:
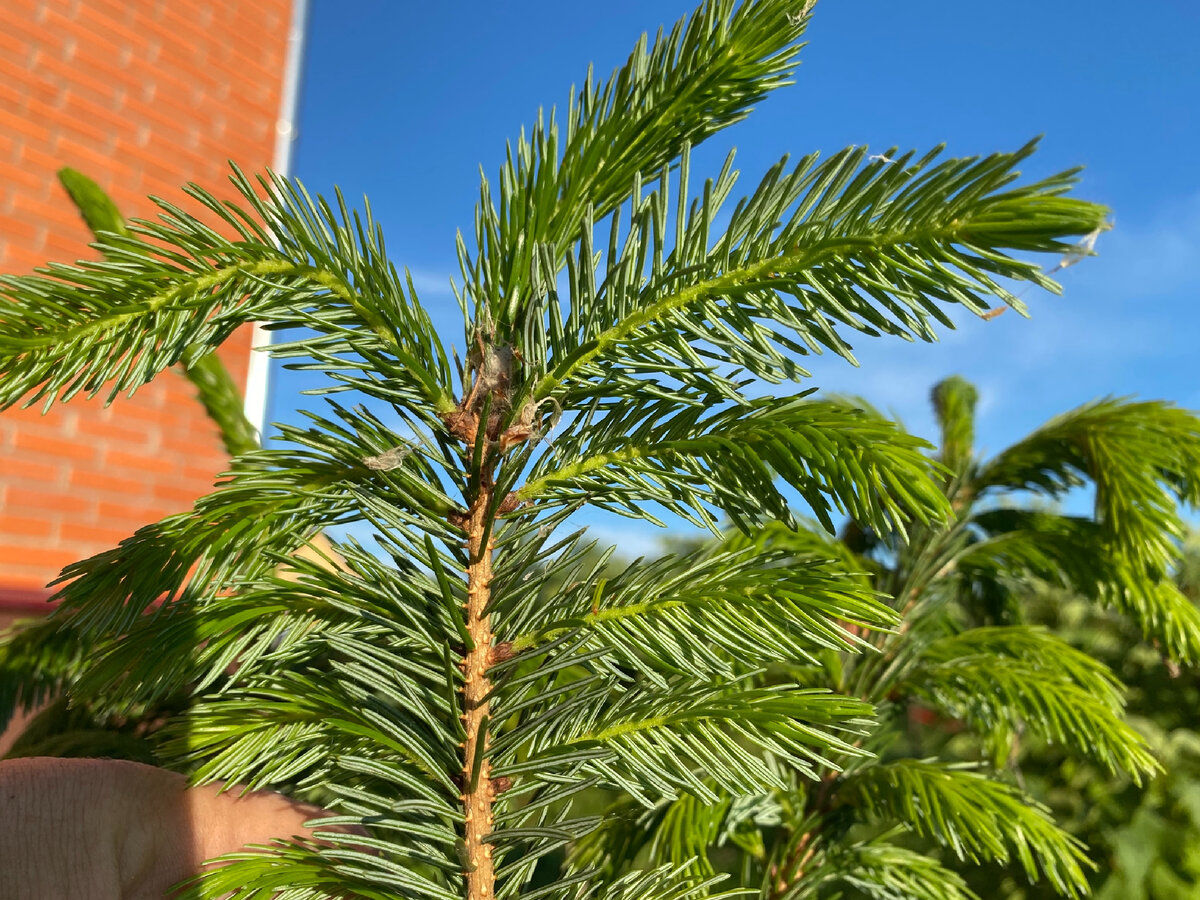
[(124, 516), (135, 462), (110, 22), (118, 13), (189, 14), (162, 147), (53, 446), (99, 536), (32, 33), (107, 84), (18, 259), (183, 411), (46, 470), (178, 497), (24, 499), (24, 582), (27, 558), (127, 429), (246, 124), (38, 159), (170, 83), (22, 579), (16, 78), (59, 214), (23, 182), (20, 231), (26, 526), (15, 97), (98, 110), (162, 173), (205, 476), (274, 18), (44, 97), (12, 47), (60, 247), (11, 123), (160, 119), (177, 51), (97, 482), (71, 152)]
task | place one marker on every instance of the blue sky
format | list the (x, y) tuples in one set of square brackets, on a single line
[(403, 101)]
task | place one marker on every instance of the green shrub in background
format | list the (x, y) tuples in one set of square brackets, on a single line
[(999, 696)]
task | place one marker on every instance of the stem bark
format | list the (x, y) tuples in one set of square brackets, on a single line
[(477, 791)]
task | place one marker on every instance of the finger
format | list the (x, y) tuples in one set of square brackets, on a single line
[(225, 820), (114, 830)]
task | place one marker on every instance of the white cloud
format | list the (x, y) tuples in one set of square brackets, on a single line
[(431, 282), (1124, 324), (1154, 259)]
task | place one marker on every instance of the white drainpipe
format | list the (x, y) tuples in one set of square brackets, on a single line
[(258, 372)]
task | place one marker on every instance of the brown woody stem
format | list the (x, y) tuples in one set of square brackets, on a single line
[(476, 773), (793, 868)]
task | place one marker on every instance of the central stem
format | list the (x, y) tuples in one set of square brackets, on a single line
[(477, 784)]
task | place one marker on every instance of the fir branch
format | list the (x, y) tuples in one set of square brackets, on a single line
[(702, 76), (880, 870), (873, 250), (1006, 677), (837, 457), (974, 815)]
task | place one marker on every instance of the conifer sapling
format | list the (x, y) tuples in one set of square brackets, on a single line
[(456, 686)]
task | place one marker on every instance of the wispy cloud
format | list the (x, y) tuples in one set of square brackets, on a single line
[(1125, 324), (431, 282), (1154, 259)]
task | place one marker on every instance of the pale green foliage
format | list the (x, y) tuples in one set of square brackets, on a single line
[(1008, 678), (1143, 460), (343, 680), (964, 662), (975, 816), (1144, 838), (221, 398), (881, 871), (820, 449)]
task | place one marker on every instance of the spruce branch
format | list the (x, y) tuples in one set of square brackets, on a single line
[(221, 398), (975, 815), (868, 246)]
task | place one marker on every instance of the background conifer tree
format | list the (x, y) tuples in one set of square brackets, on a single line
[(982, 712), (430, 688), (1143, 838)]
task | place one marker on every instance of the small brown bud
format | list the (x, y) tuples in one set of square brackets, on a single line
[(501, 652), (517, 434), (501, 784), (462, 423), (510, 503)]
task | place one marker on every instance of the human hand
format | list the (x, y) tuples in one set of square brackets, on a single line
[(103, 829)]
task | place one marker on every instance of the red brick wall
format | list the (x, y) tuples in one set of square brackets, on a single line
[(142, 96)]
